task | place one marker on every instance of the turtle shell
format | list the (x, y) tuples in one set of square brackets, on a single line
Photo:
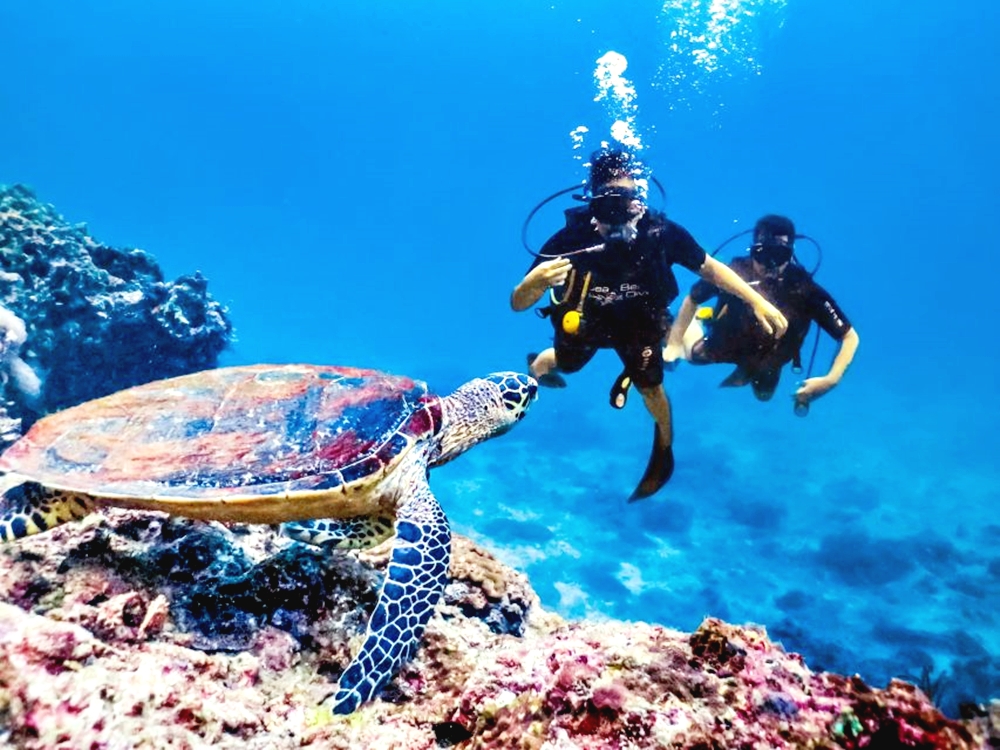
[(250, 434)]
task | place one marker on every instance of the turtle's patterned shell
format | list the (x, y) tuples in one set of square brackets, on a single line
[(254, 431)]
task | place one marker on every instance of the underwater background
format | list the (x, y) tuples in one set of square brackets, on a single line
[(353, 178)]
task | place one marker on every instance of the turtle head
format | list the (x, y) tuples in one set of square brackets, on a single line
[(481, 409)]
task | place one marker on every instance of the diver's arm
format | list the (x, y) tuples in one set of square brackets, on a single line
[(726, 278), (845, 355), (685, 315), (813, 388), (674, 349), (538, 281)]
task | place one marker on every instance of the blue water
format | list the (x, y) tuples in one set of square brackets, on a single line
[(352, 180)]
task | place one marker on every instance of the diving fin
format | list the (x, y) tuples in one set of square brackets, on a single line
[(736, 379), (658, 471), (619, 391)]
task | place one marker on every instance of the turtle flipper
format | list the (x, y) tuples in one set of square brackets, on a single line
[(360, 532), (28, 508), (416, 577)]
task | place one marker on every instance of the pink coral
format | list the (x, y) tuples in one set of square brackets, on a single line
[(100, 662)]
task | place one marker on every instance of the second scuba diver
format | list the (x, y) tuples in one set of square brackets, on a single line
[(611, 265), (734, 336)]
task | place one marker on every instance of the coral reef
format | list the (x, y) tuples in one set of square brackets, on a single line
[(136, 630), (97, 318)]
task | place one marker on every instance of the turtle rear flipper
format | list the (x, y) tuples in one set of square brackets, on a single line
[(360, 532), (28, 508), (658, 470), (418, 571)]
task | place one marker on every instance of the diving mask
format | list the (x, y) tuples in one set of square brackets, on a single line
[(771, 253), (618, 209)]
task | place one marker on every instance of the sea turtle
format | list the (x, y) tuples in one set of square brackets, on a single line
[(339, 455)]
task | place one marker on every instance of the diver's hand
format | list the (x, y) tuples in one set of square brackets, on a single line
[(548, 274), (812, 388), (672, 355), (538, 281), (770, 318)]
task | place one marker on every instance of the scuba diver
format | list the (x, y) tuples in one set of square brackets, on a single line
[(609, 273), (733, 334)]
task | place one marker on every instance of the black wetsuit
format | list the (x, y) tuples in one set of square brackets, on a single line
[(630, 287), (735, 335)]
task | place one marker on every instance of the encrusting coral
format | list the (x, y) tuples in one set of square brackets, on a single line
[(135, 630)]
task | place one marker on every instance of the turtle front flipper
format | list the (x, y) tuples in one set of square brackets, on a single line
[(28, 508), (360, 532), (418, 570)]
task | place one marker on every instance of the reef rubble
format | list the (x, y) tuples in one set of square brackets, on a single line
[(137, 630)]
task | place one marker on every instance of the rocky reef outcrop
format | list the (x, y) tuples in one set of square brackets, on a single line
[(136, 630), (96, 318)]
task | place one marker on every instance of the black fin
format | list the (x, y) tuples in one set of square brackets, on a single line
[(619, 391), (658, 471), (551, 380), (736, 379)]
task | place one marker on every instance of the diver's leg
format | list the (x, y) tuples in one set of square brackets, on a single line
[(542, 368), (703, 352), (660, 466), (643, 362), (644, 366), (569, 355), (716, 349), (694, 335), (765, 383), (658, 406)]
